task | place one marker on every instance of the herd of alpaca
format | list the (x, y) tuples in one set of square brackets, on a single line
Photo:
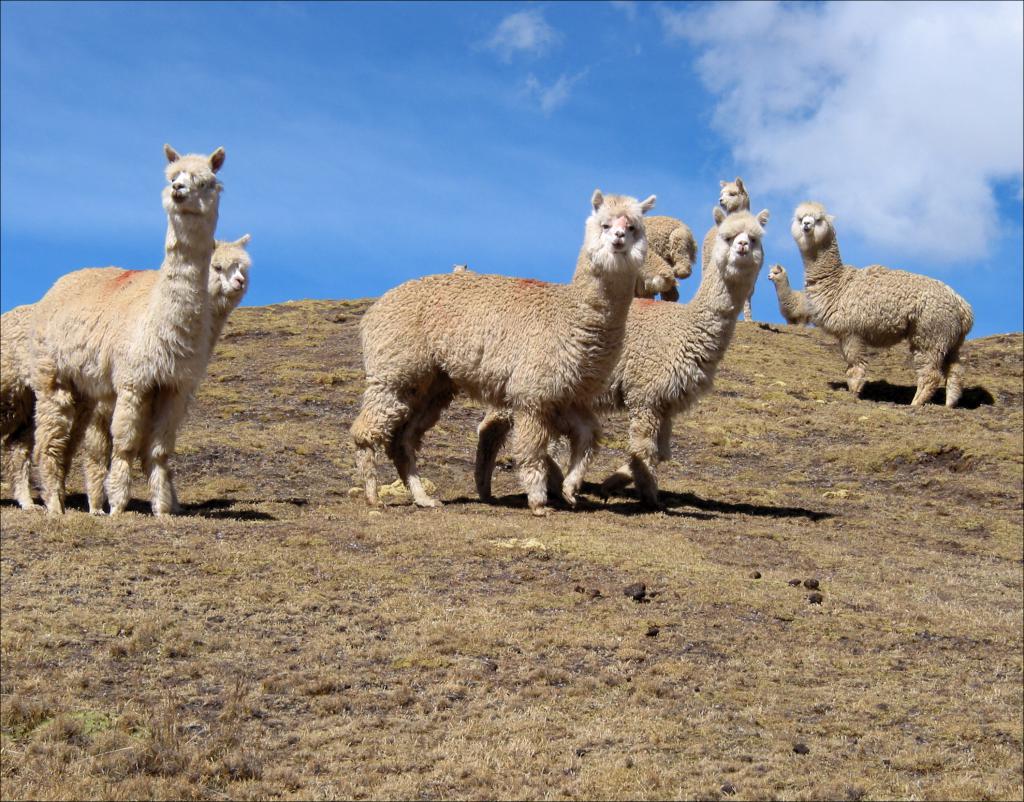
[(109, 359)]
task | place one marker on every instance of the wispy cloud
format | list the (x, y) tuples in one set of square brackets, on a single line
[(898, 116), (557, 94), (525, 32), (628, 7)]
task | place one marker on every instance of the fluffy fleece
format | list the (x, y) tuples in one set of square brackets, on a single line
[(228, 282), (671, 253), (669, 358), (107, 346), (733, 197), (793, 304), (879, 307), (543, 350)]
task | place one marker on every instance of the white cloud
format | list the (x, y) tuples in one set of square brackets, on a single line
[(551, 97), (523, 32), (898, 116)]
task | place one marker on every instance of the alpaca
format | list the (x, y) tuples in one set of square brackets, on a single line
[(671, 252), (229, 278), (106, 346), (545, 350), (17, 401), (732, 198), (878, 307), (793, 304), (689, 341)]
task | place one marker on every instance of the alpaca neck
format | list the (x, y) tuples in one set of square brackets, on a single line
[(825, 279), (822, 264), (179, 308), (714, 309)]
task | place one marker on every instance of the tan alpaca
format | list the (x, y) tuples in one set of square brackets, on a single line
[(690, 341), (732, 198), (107, 346), (229, 279), (793, 304), (671, 252), (878, 307), (544, 350)]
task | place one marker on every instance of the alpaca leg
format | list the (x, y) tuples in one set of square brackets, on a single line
[(96, 444), (55, 413), (530, 446), (168, 410), (583, 432), (665, 440), (491, 435), (643, 447), (929, 376), (555, 477), (407, 441), (856, 364), (620, 480), (748, 312), (21, 458), (126, 436), (379, 418), (954, 370)]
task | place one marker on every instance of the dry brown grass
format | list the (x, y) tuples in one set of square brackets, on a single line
[(283, 641)]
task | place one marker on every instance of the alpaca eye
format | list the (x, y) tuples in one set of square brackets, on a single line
[(606, 226), (632, 228), (218, 268)]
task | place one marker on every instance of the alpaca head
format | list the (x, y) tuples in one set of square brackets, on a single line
[(229, 273), (460, 268), (812, 227), (733, 196), (615, 237), (738, 252), (192, 185), (777, 273)]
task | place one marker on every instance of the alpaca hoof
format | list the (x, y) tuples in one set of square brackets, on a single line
[(569, 494), (428, 502), (94, 511), (540, 512)]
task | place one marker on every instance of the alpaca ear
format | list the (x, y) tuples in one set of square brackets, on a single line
[(722, 183), (762, 217), (648, 204), (171, 153), (718, 214), (739, 184), (596, 199), (831, 218), (217, 159), (243, 240)]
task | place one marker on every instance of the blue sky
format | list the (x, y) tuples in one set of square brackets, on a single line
[(371, 143)]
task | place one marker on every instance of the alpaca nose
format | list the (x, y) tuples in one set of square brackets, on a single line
[(808, 225)]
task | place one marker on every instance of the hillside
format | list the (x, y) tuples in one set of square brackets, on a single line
[(282, 640)]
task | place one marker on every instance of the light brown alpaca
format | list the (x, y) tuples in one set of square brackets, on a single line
[(732, 198), (229, 279), (878, 307), (793, 304), (108, 347), (545, 350)]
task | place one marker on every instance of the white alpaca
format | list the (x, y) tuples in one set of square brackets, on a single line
[(878, 307), (229, 279), (545, 350), (793, 304), (733, 197), (689, 341), (107, 347)]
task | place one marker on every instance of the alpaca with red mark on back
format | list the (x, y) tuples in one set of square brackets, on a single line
[(544, 350)]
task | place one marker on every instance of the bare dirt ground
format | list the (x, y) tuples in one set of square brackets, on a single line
[(282, 640)]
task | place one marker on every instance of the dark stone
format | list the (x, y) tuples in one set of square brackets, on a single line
[(728, 789), (755, 574), (794, 583), (652, 631), (636, 591), (815, 598), (811, 584), (801, 749)]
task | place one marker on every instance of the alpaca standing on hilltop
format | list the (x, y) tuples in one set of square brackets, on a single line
[(793, 304), (229, 279), (106, 345), (689, 341), (545, 350), (671, 252), (732, 198), (878, 307)]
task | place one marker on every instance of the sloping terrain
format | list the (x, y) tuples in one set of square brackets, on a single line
[(282, 640)]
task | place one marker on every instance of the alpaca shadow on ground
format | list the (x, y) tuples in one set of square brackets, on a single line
[(222, 508), (903, 394), (671, 501), (625, 503)]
